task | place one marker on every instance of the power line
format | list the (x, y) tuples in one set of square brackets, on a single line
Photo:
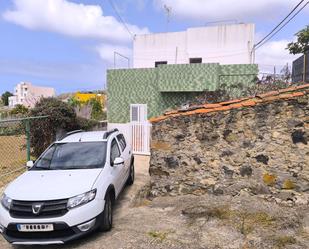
[(256, 47), (279, 23), (120, 18)]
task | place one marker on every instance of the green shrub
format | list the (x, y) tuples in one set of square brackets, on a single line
[(97, 110), (61, 118)]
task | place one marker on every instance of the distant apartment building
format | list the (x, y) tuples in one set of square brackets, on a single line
[(28, 95), (224, 44)]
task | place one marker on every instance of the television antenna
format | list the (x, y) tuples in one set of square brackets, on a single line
[(168, 11)]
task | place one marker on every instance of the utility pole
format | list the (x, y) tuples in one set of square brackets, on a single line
[(304, 69), (253, 55), (288, 74), (176, 55), (168, 10)]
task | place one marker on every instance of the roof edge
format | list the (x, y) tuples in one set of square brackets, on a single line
[(286, 93)]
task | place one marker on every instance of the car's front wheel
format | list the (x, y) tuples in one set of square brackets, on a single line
[(106, 220)]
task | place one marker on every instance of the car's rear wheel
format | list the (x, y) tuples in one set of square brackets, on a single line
[(131, 177), (106, 220)]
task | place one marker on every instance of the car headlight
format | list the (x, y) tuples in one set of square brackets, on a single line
[(81, 199), (6, 202)]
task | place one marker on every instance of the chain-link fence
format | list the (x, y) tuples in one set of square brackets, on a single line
[(14, 148)]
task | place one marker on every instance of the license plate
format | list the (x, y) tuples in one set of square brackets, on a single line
[(35, 227)]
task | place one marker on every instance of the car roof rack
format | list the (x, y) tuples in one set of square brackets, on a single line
[(108, 133), (70, 133)]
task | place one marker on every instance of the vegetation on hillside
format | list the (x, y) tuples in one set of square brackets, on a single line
[(92, 108), (19, 110)]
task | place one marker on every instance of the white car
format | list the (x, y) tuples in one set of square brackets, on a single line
[(69, 191)]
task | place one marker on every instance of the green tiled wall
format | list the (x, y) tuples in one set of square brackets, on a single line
[(188, 77), (134, 86), (168, 85), (238, 69)]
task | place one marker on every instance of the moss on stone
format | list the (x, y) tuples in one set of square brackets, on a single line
[(232, 137), (269, 179), (288, 184), (161, 236), (158, 145)]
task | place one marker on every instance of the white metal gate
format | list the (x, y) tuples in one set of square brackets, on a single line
[(140, 129)]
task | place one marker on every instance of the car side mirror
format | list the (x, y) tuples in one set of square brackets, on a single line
[(29, 164), (118, 161)]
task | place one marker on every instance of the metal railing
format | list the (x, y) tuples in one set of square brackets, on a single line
[(15, 147)]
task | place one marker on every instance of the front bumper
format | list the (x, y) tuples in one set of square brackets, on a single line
[(62, 234), (65, 227)]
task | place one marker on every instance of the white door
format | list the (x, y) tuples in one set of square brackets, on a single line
[(140, 128), (117, 170), (125, 154)]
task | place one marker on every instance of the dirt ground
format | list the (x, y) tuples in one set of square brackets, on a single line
[(208, 222)]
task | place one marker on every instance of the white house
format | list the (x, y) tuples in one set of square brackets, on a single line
[(224, 54), (28, 95), (224, 44)]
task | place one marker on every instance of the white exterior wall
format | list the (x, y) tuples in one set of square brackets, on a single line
[(140, 142), (125, 129), (224, 44), (28, 95)]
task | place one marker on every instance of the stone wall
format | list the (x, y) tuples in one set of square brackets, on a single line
[(260, 148)]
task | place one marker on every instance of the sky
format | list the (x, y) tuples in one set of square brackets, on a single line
[(69, 44)]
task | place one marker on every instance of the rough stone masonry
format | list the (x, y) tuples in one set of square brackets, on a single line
[(258, 146)]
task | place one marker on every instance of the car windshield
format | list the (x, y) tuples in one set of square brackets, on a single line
[(62, 156)]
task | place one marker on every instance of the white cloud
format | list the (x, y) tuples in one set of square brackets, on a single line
[(69, 18), (208, 10), (274, 54), (106, 52)]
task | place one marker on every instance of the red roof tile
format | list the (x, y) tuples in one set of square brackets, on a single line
[(265, 95), (230, 102), (302, 86), (290, 89), (298, 94), (287, 93), (248, 103), (210, 106)]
